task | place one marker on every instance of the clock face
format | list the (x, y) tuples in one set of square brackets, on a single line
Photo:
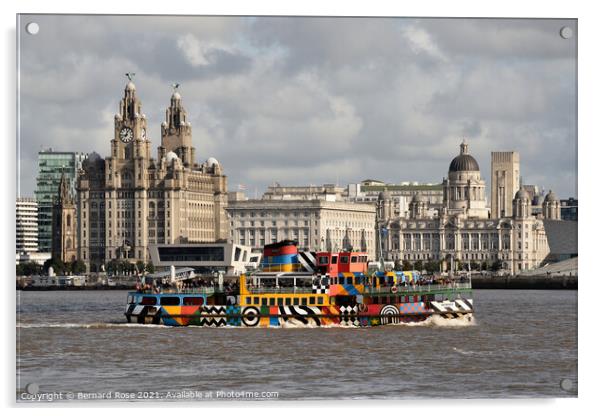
[(126, 135), (143, 134)]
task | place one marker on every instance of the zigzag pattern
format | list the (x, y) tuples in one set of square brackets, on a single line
[(206, 318)]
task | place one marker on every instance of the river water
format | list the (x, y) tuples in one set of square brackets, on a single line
[(521, 344)]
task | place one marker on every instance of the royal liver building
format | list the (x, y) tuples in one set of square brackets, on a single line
[(130, 200)]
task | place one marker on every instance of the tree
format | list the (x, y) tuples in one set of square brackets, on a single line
[(113, 266), (497, 265), (407, 265), (398, 265), (484, 266), (150, 267), (140, 267), (431, 267), (28, 268), (419, 266), (474, 266), (57, 265), (78, 267)]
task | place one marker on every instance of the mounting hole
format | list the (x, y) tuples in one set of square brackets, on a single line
[(566, 384), (32, 28), (32, 388), (566, 32)]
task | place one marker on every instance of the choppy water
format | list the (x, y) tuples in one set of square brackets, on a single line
[(522, 344)]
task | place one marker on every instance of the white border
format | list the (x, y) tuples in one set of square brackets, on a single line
[(589, 155)]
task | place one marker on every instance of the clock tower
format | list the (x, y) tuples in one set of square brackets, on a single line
[(130, 201), (130, 139)]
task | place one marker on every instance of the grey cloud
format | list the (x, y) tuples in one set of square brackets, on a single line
[(300, 100)]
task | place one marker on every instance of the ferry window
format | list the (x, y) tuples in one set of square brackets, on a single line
[(170, 300), (272, 302), (256, 300), (295, 301), (248, 300), (288, 301), (312, 300), (304, 301), (130, 299), (148, 300), (350, 280), (353, 259), (280, 301), (344, 260), (323, 260), (264, 302), (197, 300), (334, 260)]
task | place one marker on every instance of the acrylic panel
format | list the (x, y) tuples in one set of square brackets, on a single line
[(295, 208)]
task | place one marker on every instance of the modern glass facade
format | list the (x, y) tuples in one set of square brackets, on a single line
[(51, 165)]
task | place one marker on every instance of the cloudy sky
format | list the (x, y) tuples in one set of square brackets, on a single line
[(312, 100)]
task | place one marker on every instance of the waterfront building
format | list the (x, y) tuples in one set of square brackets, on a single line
[(463, 189), (401, 194), (505, 182), (462, 229), (326, 192), (51, 167), (27, 225), (34, 257), (64, 224), (205, 258), (569, 209), (316, 224), (130, 200)]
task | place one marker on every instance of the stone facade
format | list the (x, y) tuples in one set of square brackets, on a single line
[(462, 228), (130, 200), (315, 224), (505, 182)]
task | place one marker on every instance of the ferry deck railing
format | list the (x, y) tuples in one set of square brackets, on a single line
[(417, 288), (189, 291)]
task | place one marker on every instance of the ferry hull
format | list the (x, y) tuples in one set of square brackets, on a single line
[(297, 316)]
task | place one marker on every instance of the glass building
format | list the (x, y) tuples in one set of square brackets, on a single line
[(51, 165)]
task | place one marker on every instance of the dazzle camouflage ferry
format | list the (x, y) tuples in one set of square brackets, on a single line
[(305, 289)]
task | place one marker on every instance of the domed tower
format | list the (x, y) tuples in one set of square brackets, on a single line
[(521, 204), (551, 207), (463, 189), (176, 131), (130, 135), (418, 206), (385, 205)]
